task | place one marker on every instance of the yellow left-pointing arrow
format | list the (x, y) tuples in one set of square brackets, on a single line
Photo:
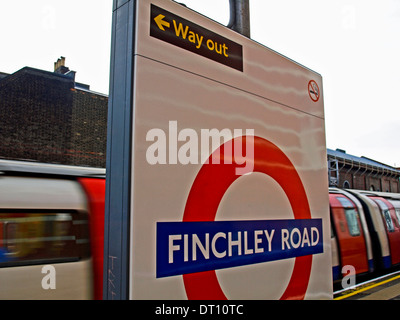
[(161, 23)]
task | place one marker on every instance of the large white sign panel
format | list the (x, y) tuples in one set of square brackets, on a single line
[(229, 178)]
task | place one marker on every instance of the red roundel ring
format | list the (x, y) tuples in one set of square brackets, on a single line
[(208, 188)]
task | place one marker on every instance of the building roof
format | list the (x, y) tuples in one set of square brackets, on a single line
[(341, 154), (3, 75)]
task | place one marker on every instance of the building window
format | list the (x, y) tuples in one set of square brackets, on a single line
[(346, 185)]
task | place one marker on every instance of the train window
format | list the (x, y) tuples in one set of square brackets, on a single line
[(351, 215), (352, 222), (398, 216), (37, 238), (396, 205), (386, 214)]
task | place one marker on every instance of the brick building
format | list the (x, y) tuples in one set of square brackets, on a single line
[(48, 117), (351, 172)]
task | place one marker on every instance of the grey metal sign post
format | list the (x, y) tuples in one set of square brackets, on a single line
[(117, 209)]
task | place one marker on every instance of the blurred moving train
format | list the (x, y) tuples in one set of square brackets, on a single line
[(51, 215), (54, 215)]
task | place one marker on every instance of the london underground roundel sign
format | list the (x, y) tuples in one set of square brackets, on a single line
[(193, 226), (198, 245)]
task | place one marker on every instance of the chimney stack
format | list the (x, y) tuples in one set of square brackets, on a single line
[(59, 67)]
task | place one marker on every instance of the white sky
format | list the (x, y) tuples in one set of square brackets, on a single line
[(353, 44)]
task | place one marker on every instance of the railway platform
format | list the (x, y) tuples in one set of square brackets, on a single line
[(383, 288)]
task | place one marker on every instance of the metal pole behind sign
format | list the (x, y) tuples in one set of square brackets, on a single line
[(240, 16)]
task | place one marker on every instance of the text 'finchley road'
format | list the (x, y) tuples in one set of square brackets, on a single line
[(189, 247)]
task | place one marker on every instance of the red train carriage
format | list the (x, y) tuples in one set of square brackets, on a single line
[(351, 239), (392, 226), (383, 224)]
